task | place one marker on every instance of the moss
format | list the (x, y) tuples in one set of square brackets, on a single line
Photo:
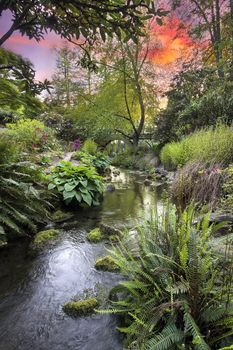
[(44, 236), (95, 235), (80, 307), (107, 263), (60, 216)]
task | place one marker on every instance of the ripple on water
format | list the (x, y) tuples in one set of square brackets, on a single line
[(33, 291)]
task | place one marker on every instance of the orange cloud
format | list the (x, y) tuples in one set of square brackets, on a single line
[(169, 42)]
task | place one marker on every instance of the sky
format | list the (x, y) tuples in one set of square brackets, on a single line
[(170, 42)]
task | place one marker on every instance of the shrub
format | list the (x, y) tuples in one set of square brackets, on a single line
[(32, 135), (125, 159), (226, 199), (90, 146), (213, 145), (77, 184), (23, 201), (199, 183), (178, 294), (99, 161)]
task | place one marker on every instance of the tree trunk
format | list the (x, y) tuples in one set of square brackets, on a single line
[(218, 40), (231, 10)]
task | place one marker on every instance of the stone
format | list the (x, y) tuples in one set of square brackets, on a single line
[(44, 236), (107, 263), (107, 230), (110, 188), (95, 235), (147, 182), (60, 216), (80, 307)]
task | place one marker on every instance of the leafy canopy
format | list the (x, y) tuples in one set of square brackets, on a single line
[(72, 19)]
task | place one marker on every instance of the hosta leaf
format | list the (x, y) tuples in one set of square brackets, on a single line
[(87, 198), (51, 186), (69, 194), (69, 187)]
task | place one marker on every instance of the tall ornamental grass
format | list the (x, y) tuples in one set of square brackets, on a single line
[(212, 145)]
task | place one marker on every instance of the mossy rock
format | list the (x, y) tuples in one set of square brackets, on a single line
[(44, 236), (80, 307), (107, 263), (60, 216), (95, 235), (108, 231)]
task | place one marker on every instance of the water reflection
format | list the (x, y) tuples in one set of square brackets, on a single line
[(32, 292)]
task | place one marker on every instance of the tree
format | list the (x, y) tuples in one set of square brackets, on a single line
[(206, 19), (126, 98), (75, 19), (18, 88), (197, 98)]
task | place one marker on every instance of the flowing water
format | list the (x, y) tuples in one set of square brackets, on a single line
[(32, 291)]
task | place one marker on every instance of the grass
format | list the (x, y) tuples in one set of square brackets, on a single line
[(212, 145)]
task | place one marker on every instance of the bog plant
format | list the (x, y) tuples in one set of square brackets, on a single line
[(199, 183), (178, 288), (212, 145), (77, 184)]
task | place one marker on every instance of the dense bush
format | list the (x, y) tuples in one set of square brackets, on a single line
[(178, 292), (32, 135), (98, 161), (23, 199), (90, 146), (77, 184), (213, 145)]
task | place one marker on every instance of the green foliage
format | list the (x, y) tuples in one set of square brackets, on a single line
[(77, 184), (98, 161), (90, 147), (32, 135), (18, 88), (197, 99), (212, 145), (177, 293), (80, 307), (111, 18), (125, 159), (23, 198)]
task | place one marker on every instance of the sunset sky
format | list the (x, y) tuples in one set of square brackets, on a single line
[(169, 43)]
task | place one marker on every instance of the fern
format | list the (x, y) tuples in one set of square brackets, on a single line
[(177, 291)]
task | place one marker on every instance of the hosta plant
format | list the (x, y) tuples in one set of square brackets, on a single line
[(77, 184), (178, 291), (99, 161)]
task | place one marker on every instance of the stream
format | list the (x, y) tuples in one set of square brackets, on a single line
[(32, 291)]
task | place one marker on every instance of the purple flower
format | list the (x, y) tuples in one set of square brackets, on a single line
[(76, 145)]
